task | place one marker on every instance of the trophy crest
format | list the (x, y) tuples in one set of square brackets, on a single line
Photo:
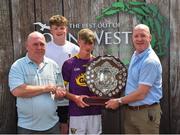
[(106, 77)]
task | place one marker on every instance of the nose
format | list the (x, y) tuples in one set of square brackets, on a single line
[(139, 38), (58, 30)]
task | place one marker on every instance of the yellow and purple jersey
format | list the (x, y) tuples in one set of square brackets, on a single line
[(73, 71)]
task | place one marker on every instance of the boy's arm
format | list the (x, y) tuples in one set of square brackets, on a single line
[(78, 99)]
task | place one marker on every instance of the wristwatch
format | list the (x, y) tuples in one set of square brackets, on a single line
[(120, 101)]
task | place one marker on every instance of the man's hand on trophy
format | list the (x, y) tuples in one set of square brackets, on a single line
[(79, 101), (113, 103)]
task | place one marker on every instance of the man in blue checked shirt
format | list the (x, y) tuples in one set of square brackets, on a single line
[(33, 79), (143, 88)]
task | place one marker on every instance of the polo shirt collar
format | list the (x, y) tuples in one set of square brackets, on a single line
[(28, 60), (143, 53)]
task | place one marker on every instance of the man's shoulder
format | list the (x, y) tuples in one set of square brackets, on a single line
[(20, 61), (152, 58), (18, 65)]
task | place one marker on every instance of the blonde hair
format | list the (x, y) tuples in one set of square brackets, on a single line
[(87, 35)]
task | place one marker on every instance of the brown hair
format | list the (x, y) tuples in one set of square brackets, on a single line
[(87, 35), (58, 20)]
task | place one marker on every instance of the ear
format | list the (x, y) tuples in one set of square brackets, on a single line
[(67, 29), (26, 45), (150, 37), (78, 41)]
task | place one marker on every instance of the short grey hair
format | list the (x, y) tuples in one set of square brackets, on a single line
[(143, 27)]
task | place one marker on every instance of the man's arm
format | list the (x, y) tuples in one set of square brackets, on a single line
[(137, 95), (28, 91)]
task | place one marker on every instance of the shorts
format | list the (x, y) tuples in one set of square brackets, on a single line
[(63, 114), (90, 124)]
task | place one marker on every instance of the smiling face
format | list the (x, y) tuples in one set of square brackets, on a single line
[(35, 45), (58, 28), (58, 32), (141, 38)]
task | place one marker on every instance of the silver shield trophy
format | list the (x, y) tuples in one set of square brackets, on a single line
[(106, 77)]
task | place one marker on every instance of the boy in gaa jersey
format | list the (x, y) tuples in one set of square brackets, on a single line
[(84, 119)]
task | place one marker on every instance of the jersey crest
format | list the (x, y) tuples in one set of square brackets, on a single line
[(80, 80)]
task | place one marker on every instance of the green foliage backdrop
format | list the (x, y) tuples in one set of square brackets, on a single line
[(147, 14)]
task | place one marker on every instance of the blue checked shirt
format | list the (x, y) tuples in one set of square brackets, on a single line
[(145, 68), (38, 112)]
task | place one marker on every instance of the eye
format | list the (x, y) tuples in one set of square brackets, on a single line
[(55, 28), (62, 28), (42, 44), (35, 44), (135, 36), (143, 35)]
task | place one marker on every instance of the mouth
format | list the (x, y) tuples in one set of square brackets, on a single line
[(59, 34), (88, 51), (140, 43)]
